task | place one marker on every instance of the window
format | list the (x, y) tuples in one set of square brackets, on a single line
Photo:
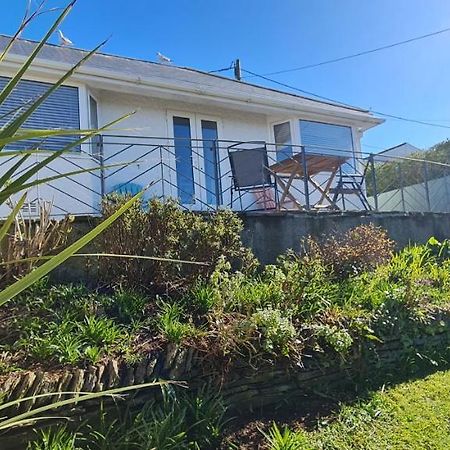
[(59, 110), (183, 156), (211, 163), (282, 135), (93, 113), (326, 138), (96, 141)]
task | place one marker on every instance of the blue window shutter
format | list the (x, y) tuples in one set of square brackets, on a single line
[(59, 111)]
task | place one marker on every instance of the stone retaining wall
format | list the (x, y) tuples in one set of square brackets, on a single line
[(270, 235), (244, 388)]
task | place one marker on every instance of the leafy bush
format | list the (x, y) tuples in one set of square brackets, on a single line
[(164, 230), (286, 439), (205, 412), (178, 421), (70, 342), (31, 238), (338, 339), (100, 331), (201, 299), (277, 331), (359, 249), (125, 306), (55, 439), (171, 324), (68, 324), (309, 285), (160, 426)]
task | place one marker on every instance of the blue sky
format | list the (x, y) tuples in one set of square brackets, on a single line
[(268, 35)]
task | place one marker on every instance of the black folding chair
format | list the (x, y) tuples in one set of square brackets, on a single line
[(351, 184), (250, 174)]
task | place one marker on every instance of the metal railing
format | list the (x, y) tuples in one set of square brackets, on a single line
[(199, 175)]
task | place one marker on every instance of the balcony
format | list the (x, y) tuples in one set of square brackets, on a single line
[(243, 176)]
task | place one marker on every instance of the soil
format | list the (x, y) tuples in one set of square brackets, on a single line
[(247, 433)]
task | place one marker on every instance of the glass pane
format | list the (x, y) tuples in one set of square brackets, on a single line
[(326, 139), (93, 119), (183, 155), (282, 134), (211, 164), (93, 112)]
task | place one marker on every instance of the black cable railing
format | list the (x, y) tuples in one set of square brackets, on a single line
[(204, 180)]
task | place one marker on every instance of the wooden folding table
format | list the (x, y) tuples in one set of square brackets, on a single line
[(304, 166)]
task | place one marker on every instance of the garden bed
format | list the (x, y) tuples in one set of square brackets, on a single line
[(345, 313)]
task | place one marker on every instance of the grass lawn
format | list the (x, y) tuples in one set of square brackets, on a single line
[(409, 416)]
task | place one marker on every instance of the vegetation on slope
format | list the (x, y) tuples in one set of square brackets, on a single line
[(393, 174)]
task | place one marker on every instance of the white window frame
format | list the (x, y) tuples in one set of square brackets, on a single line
[(294, 138), (85, 106)]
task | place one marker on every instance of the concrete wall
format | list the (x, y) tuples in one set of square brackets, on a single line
[(270, 235)]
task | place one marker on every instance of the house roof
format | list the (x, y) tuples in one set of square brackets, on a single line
[(149, 73)]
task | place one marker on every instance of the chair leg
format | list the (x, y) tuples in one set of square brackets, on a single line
[(277, 197)]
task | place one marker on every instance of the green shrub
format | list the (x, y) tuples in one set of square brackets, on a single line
[(164, 230), (243, 293), (58, 301), (205, 414), (201, 299), (276, 330), (286, 439), (70, 324), (58, 438), (172, 324), (339, 339), (309, 285), (100, 331), (180, 420), (160, 426), (125, 306), (70, 342)]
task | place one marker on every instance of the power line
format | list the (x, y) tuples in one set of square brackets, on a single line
[(338, 103), (365, 52), (231, 66), (406, 119), (296, 88)]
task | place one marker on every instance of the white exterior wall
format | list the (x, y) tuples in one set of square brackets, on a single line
[(152, 118)]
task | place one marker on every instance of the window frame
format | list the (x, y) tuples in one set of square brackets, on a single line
[(273, 153), (87, 147)]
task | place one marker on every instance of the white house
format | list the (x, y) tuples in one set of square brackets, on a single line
[(177, 140)]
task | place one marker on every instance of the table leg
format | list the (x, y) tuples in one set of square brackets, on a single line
[(285, 188), (324, 191)]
